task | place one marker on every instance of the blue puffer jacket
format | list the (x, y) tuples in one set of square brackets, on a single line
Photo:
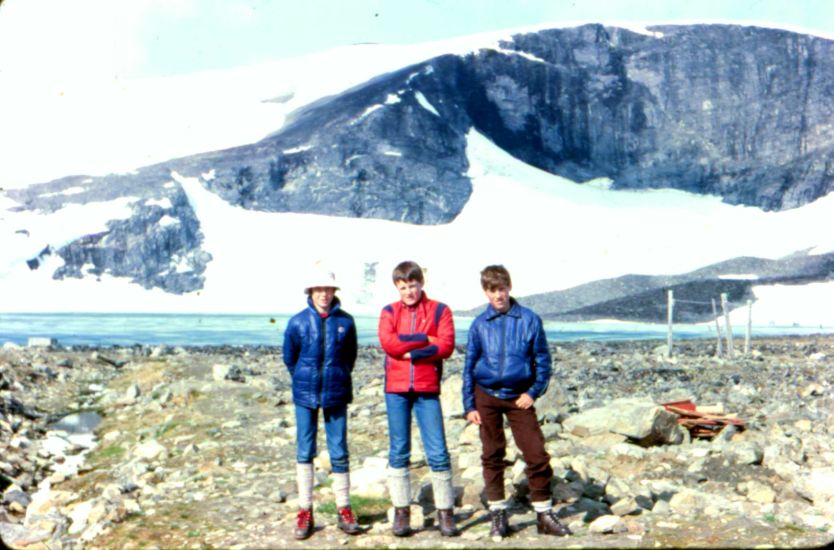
[(320, 354), (506, 355)]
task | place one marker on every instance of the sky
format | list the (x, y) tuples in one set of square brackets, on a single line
[(51, 41)]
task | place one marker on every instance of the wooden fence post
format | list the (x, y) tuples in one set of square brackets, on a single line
[(718, 351), (725, 308), (749, 327), (670, 307)]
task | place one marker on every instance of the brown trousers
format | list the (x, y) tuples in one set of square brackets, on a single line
[(528, 437)]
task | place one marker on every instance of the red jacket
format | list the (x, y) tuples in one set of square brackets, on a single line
[(406, 329)]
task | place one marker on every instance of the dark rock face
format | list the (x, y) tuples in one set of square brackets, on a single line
[(153, 254), (159, 245), (740, 112)]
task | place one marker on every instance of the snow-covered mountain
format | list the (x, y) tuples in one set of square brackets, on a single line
[(570, 155)]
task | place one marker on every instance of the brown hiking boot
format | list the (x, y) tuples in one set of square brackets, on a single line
[(402, 521), (303, 524), (446, 523), (499, 526), (347, 521), (548, 524)]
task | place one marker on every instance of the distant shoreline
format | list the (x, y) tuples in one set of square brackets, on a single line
[(681, 345)]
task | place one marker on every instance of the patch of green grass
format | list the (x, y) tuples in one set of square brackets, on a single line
[(770, 518), (165, 428), (193, 533), (366, 509), (105, 453)]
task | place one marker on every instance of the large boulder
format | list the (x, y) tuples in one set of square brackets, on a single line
[(636, 418)]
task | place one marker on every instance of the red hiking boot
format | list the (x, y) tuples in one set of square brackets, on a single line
[(303, 524)]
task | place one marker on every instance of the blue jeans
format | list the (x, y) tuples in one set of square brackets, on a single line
[(335, 429), (426, 407)]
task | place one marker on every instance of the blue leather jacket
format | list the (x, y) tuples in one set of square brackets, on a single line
[(506, 355), (320, 353)]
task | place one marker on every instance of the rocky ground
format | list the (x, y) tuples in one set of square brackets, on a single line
[(195, 449)]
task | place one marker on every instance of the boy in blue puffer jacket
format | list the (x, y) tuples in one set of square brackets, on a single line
[(320, 351), (507, 368)]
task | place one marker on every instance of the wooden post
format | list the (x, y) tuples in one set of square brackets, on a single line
[(725, 308), (670, 308), (749, 327), (718, 351)]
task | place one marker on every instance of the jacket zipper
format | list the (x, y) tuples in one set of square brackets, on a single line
[(411, 361), (322, 370), (502, 350)]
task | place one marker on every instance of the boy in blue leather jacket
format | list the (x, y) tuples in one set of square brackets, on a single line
[(507, 368)]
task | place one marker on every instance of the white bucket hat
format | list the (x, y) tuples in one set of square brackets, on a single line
[(320, 276)]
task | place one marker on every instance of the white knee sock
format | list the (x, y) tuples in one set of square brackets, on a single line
[(341, 488), (444, 492), (543, 506), (399, 485), (498, 504), (304, 478)]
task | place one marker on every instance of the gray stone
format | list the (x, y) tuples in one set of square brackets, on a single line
[(636, 418), (817, 484), (757, 491), (150, 450), (603, 441), (591, 509), (689, 501), (450, 396), (19, 537), (15, 495), (744, 452), (473, 493), (608, 524), (222, 372), (132, 393), (625, 506)]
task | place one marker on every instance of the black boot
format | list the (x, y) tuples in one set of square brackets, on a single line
[(446, 523), (499, 525), (402, 521), (548, 524)]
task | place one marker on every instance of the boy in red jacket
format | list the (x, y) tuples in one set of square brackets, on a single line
[(417, 334)]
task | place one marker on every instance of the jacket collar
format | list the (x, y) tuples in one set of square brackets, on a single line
[(514, 311), (335, 305)]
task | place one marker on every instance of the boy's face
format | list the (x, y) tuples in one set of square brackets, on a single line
[(499, 297), (410, 291), (322, 297)]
